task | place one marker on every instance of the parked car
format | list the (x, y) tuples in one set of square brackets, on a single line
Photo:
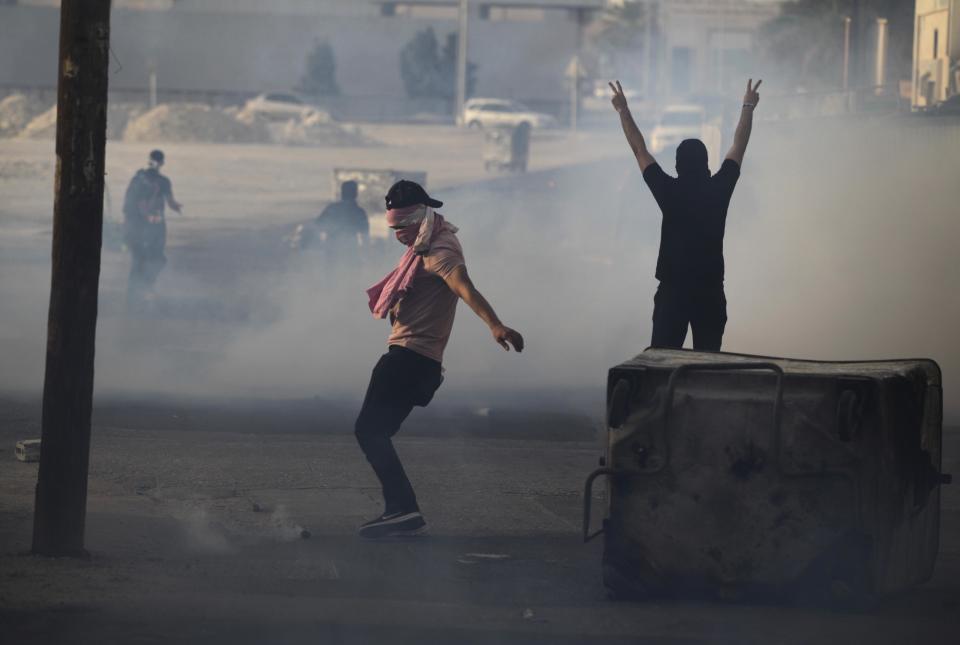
[(279, 106), (601, 90), (676, 123), (486, 113)]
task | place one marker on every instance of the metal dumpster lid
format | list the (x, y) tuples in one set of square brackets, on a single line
[(673, 358)]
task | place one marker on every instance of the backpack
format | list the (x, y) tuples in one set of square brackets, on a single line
[(142, 197)]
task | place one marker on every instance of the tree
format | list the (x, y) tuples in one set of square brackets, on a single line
[(806, 40), (428, 72), (320, 76)]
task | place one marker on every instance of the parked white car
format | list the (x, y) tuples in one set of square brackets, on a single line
[(601, 90), (486, 113), (279, 106), (676, 123)]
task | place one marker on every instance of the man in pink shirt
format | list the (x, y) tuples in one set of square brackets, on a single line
[(420, 296)]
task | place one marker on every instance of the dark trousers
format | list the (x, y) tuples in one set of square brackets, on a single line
[(401, 380), (146, 243), (704, 309), (145, 266)]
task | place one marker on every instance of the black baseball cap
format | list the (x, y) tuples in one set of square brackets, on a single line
[(409, 193)]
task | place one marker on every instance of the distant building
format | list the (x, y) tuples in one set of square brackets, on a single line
[(707, 46), (225, 50), (936, 52)]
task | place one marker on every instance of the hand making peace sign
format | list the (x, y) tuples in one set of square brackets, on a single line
[(619, 100), (752, 97)]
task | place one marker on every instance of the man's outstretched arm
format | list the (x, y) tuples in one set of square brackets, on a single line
[(171, 202), (630, 129), (742, 135), (460, 283)]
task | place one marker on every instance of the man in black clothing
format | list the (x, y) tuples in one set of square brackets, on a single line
[(343, 227), (345, 221), (145, 227), (694, 207)]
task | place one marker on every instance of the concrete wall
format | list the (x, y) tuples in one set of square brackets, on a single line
[(246, 52)]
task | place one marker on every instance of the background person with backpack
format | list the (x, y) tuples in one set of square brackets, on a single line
[(145, 228)]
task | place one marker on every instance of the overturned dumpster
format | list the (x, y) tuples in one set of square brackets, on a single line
[(736, 474)]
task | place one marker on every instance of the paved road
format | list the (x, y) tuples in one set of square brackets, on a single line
[(195, 533)]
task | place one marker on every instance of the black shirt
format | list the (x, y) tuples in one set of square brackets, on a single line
[(146, 195), (342, 221), (694, 218)]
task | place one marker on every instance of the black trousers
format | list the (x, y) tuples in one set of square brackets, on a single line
[(704, 309), (146, 243), (145, 266), (401, 380)]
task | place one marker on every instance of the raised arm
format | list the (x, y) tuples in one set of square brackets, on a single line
[(630, 129), (460, 283), (742, 135)]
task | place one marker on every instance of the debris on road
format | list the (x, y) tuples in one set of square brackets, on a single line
[(19, 169), (193, 122), (317, 129), (25, 117), (119, 115), (28, 450), (42, 126), (16, 111), (487, 556), (475, 558)]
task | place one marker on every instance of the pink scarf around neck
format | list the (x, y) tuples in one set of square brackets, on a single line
[(384, 295)]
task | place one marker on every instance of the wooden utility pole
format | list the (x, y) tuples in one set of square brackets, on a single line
[(61, 496)]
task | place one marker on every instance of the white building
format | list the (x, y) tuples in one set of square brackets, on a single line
[(936, 52)]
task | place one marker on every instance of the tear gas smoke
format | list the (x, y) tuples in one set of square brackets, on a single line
[(840, 245)]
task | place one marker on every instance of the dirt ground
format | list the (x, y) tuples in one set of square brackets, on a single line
[(225, 484)]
